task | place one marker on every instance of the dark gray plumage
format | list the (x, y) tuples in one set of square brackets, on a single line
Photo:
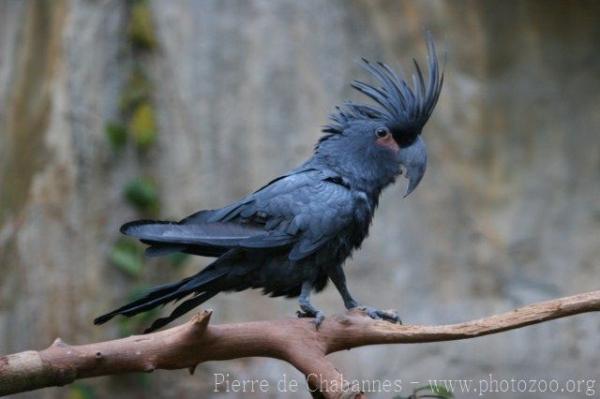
[(291, 236)]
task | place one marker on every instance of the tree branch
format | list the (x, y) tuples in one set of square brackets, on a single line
[(293, 340)]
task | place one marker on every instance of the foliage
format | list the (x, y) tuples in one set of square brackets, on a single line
[(141, 27), (127, 256), (138, 90), (137, 125), (138, 116), (142, 194), (116, 134), (142, 126)]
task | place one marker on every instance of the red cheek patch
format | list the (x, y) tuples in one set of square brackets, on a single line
[(389, 143)]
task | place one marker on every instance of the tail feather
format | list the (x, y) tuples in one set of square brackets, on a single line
[(222, 240), (181, 310), (201, 283), (194, 285)]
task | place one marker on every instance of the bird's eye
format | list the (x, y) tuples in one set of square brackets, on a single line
[(382, 132)]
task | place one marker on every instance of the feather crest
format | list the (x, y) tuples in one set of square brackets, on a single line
[(404, 107)]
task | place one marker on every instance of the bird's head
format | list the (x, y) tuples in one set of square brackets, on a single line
[(375, 143)]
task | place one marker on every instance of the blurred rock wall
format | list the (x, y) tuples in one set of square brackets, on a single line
[(508, 213)]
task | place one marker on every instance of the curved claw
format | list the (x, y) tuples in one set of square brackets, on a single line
[(377, 314), (316, 314), (319, 317)]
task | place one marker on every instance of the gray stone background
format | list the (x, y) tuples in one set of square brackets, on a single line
[(508, 213)]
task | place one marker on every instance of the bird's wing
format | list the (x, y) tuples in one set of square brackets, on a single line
[(216, 235), (278, 186), (310, 206), (302, 210), (210, 232)]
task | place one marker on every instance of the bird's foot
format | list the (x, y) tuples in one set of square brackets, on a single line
[(307, 311), (377, 314)]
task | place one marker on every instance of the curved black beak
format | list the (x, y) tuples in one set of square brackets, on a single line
[(413, 160)]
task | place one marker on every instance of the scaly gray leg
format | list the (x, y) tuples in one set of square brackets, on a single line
[(336, 274), (306, 308)]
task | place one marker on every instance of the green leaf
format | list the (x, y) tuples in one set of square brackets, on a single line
[(116, 134), (137, 90), (141, 27), (142, 194), (127, 256), (142, 125)]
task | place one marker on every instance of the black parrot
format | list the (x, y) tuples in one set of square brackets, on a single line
[(293, 235)]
